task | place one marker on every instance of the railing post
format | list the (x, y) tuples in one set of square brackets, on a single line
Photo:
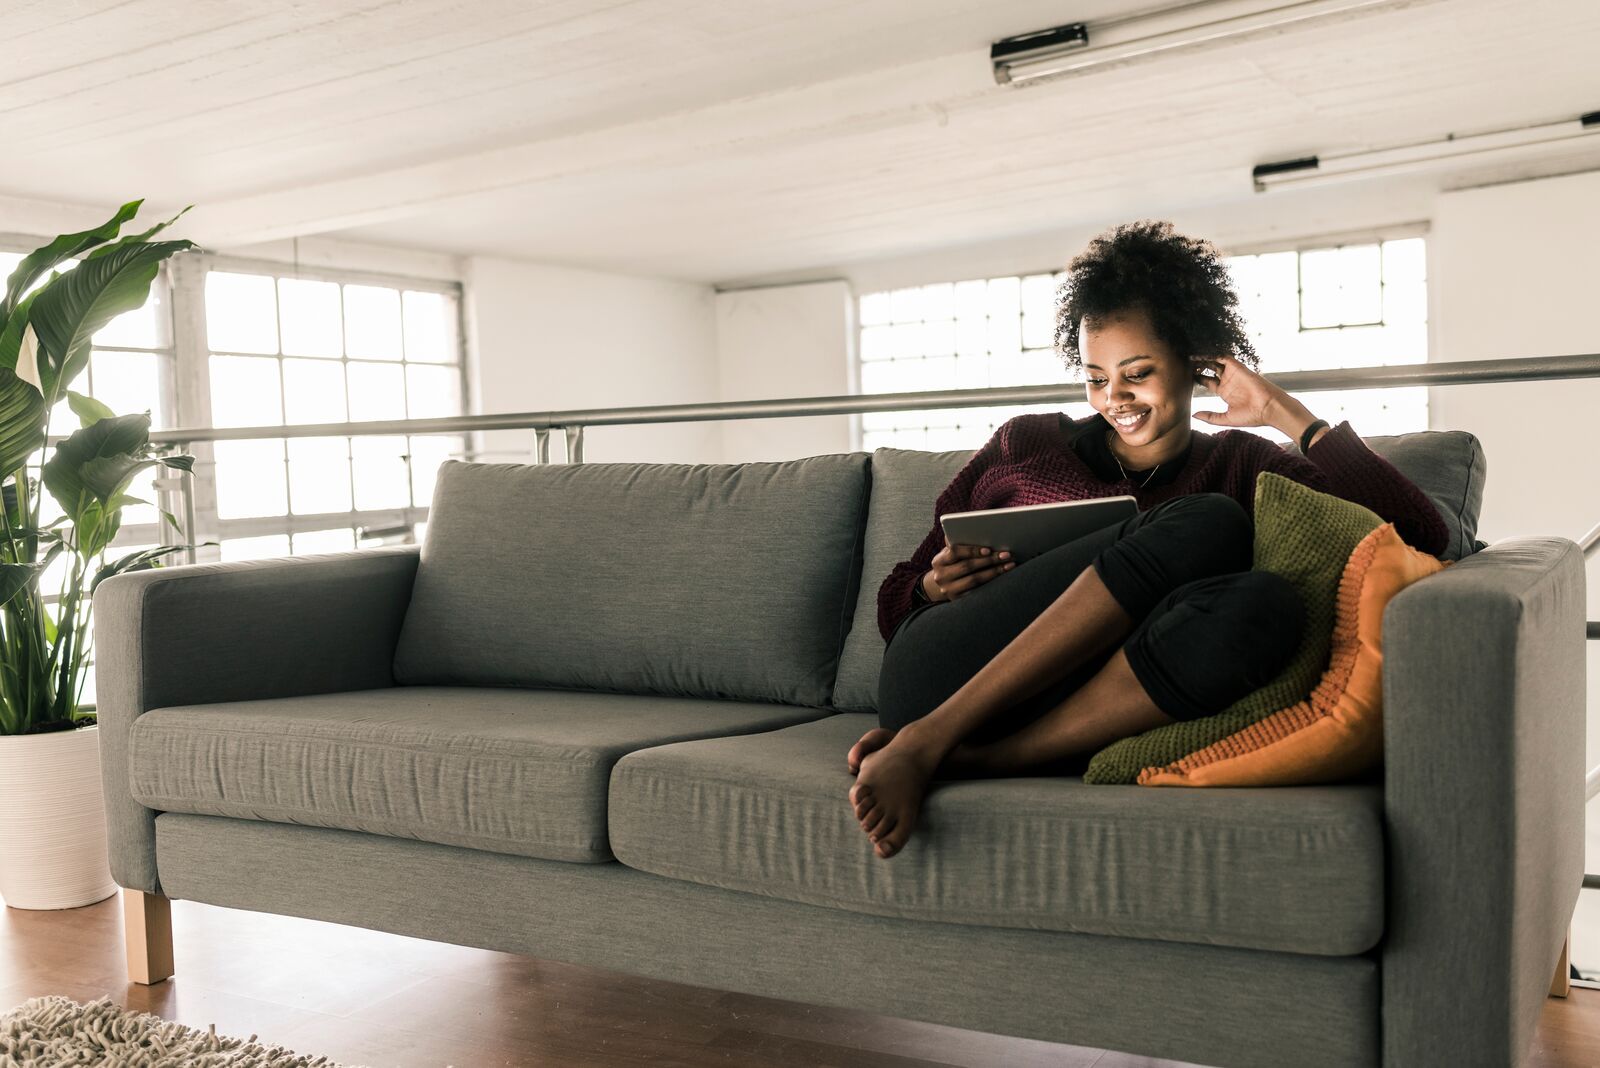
[(574, 444), (186, 487), (542, 436)]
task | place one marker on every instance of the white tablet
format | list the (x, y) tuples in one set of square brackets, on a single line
[(1030, 529)]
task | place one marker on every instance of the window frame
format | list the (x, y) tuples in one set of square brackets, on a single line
[(193, 368)]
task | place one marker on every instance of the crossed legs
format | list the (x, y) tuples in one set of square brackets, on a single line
[(1073, 630), (1031, 667)]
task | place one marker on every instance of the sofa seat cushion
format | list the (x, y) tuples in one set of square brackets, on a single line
[(1297, 869), (507, 770)]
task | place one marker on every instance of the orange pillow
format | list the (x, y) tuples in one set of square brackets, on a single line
[(1337, 732)]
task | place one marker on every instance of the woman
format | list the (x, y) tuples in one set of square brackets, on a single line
[(996, 668)]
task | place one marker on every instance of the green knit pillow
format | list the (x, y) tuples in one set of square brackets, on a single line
[(1307, 537)]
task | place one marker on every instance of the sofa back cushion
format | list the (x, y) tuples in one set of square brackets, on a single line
[(905, 484), (1447, 465), (703, 580)]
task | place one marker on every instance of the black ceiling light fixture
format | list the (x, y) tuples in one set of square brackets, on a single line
[(1077, 46), (1517, 143)]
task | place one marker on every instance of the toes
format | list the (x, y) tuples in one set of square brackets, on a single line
[(894, 839), (884, 826), (874, 820)]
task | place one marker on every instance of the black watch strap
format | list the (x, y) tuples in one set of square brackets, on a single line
[(1305, 438)]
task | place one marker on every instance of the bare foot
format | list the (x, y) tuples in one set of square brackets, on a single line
[(887, 796), (870, 742)]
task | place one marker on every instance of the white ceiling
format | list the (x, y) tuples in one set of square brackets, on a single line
[(722, 142)]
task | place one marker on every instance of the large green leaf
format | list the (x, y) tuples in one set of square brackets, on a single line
[(106, 250), (14, 579), (97, 461), (140, 560), (89, 472), (62, 248), (68, 312), (86, 408), (22, 421), (23, 413), (11, 336)]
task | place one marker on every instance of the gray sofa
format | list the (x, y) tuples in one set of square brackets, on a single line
[(601, 716)]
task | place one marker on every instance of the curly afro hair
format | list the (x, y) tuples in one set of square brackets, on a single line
[(1180, 281)]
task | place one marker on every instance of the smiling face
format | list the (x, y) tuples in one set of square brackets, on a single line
[(1129, 372)]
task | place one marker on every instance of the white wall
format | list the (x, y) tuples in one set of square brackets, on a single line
[(1514, 269), (545, 338), (787, 341)]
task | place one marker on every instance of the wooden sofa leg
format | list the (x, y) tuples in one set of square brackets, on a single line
[(147, 928), (1560, 982)]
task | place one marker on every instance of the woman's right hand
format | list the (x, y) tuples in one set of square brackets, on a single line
[(959, 569)]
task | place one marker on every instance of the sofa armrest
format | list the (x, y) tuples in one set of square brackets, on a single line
[(251, 629), (1483, 689)]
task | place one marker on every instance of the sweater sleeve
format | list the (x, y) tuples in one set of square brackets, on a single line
[(895, 593), (1342, 464)]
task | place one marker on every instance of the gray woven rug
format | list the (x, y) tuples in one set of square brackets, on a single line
[(55, 1031)]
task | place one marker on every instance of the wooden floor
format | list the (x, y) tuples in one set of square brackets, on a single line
[(364, 998)]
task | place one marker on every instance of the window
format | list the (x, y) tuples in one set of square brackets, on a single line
[(1309, 309), (286, 350), (275, 350)]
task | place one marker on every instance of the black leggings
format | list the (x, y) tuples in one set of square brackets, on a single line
[(1208, 630)]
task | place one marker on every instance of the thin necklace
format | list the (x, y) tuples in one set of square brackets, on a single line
[(1124, 470)]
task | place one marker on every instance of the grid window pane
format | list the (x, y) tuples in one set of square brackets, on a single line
[(143, 486), (372, 323), (1004, 298), (1404, 261), (1340, 286), (377, 391), (309, 318), (313, 391), (429, 327), (265, 547), (972, 299), (876, 342), (340, 540), (54, 576), (245, 391), (381, 476), (319, 475), (1405, 302), (250, 479), (428, 453), (63, 420), (128, 383), (241, 312), (905, 305), (875, 309), (432, 391)]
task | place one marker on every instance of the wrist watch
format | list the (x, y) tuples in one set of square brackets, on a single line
[(918, 594)]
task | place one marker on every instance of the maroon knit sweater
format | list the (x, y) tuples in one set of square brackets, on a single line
[(1029, 460)]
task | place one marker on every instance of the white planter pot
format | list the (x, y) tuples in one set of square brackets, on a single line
[(53, 821)]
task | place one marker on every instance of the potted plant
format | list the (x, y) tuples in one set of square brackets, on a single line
[(52, 813)]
